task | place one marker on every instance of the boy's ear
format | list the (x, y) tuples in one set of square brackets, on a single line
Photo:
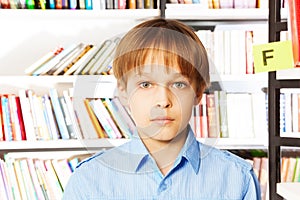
[(122, 93)]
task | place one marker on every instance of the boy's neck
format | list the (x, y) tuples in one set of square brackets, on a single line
[(166, 152)]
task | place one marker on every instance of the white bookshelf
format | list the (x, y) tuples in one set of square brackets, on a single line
[(67, 14), (289, 191), (192, 12)]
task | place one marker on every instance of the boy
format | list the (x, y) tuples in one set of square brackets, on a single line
[(162, 71)]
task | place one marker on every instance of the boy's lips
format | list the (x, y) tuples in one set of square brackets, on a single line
[(162, 120)]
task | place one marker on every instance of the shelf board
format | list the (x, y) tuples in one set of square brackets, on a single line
[(288, 74), (97, 144), (236, 143), (65, 14), (57, 145), (289, 191), (191, 12)]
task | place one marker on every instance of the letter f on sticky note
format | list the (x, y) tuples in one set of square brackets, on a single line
[(273, 56)]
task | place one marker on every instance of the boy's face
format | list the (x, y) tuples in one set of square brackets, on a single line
[(160, 101)]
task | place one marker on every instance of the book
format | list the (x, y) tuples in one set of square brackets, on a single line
[(35, 180), (116, 103), (125, 130), (20, 117), (53, 180), (223, 113), (291, 169), (2, 135), (28, 183), (62, 170), (259, 111), (20, 179), (52, 125), (294, 27), (79, 61), (94, 119), (106, 50), (27, 115), (42, 119), (213, 130), (6, 118), (204, 116), (70, 107), (297, 170), (263, 177), (103, 118), (87, 127), (67, 117), (58, 69), (59, 114), (34, 114), (5, 186), (40, 172), (41, 61), (14, 119), (12, 177), (54, 61), (85, 60)]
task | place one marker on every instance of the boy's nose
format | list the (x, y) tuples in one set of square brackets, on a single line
[(163, 95)]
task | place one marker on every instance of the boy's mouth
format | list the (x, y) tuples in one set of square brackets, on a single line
[(162, 120)]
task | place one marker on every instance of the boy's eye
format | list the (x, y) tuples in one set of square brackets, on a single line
[(179, 85), (145, 85)]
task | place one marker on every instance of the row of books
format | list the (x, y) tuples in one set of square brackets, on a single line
[(28, 116), (33, 178), (290, 111), (290, 169), (222, 4), (76, 59), (230, 50), (230, 115), (78, 4)]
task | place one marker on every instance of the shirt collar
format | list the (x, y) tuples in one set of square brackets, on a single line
[(190, 151), (134, 157)]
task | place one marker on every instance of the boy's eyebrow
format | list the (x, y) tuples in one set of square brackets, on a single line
[(148, 75)]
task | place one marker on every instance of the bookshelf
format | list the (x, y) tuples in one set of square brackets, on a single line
[(277, 81), (46, 29)]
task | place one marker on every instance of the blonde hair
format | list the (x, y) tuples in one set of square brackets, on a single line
[(174, 41)]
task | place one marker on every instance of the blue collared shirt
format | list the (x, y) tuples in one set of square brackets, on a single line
[(200, 172)]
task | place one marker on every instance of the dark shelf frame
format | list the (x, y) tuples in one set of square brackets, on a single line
[(274, 86)]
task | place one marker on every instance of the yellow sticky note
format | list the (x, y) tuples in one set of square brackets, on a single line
[(273, 56)]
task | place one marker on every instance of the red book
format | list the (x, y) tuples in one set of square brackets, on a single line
[(20, 116), (294, 13)]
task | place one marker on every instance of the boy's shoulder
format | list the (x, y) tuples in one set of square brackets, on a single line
[(91, 158), (224, 157)]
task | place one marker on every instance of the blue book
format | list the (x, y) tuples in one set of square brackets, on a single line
[(88, 5), (59, 114), (6, 119)]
